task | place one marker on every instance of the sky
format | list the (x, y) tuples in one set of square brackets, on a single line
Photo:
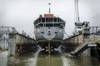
[(22, 13)]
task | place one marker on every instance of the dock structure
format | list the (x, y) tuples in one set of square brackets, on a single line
[(79, 37), (16, 43), (20, 44), (76, 44), (88, 37), (80, 40), (4, 36)]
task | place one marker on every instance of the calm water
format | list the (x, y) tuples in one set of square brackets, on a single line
[(31, 60)]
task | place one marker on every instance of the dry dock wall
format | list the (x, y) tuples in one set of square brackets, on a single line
[(19, 44), (73, 41)]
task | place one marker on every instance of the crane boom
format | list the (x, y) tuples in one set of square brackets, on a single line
[(77, 19)]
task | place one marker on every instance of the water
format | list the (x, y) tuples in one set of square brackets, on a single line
[(53, 59), (80, 61), (3, 58), (31, 60)]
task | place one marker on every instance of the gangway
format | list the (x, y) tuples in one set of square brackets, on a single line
[(82, 48)]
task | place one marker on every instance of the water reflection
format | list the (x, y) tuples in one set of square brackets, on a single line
[(3, 58), (26, 60), (31, 60), (52, 59), (81, 61)]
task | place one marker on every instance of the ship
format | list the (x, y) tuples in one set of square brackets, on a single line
[(49, 31)]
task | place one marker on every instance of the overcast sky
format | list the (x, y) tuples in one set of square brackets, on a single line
[(22, 13)]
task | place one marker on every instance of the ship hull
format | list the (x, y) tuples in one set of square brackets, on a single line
[(49, 33), (49, 45)]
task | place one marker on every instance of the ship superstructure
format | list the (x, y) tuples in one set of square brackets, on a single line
[(49, 27)]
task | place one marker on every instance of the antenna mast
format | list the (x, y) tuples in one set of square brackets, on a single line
[(49, 7)]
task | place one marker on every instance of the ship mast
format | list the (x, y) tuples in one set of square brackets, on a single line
[(49, 7)]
